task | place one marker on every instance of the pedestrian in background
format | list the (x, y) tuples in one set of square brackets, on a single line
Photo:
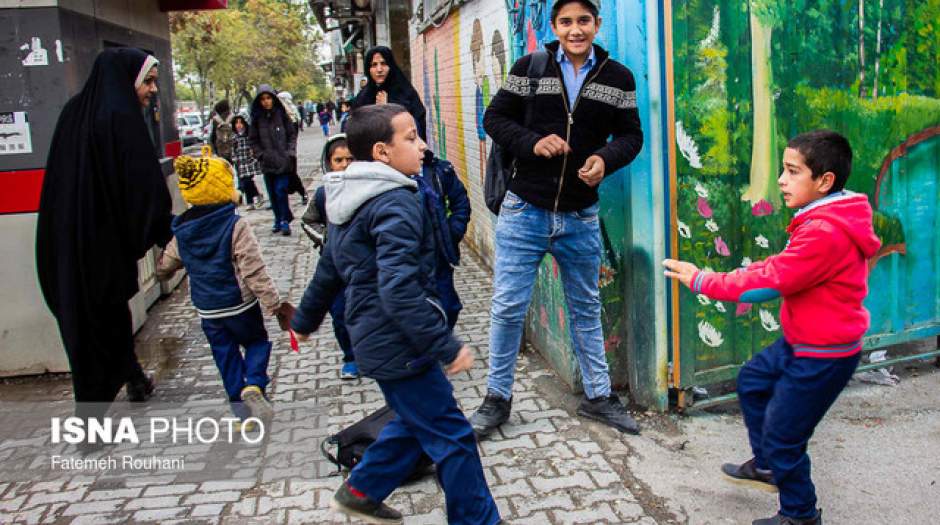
[(388, 84), (246, 166), (104, 204), (325, 119), (273, 140), (222, 136), (295, 185)]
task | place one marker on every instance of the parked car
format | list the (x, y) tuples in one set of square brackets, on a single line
[(190, 128)]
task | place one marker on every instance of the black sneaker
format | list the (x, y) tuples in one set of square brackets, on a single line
[(140, 390), (747, 473), (492, 413), (779, 519), (363, 508), (609, 411)]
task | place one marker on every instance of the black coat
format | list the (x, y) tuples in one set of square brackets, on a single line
[(604, 122), (385, 257), (104, 204), (272, 135), (398, 88)]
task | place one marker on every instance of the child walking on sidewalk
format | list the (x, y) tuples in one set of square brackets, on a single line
[(822, 275), (335, 158), (227, 280), (381, 248), (246, 166)]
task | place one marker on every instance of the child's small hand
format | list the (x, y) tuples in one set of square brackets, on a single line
[(284, 313), (684, 271), (464, 361), (302, 337)]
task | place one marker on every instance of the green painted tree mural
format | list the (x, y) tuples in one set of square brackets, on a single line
[(750, 75)]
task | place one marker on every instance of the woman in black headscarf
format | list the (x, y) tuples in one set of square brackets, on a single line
[(104, 204), (388, 84)]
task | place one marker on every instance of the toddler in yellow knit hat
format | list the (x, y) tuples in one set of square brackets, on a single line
[(206, 180), (228, 281)]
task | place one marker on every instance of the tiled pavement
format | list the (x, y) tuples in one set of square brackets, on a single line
[(545, 466)]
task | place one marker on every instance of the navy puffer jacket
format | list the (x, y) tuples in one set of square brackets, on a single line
[(381, 248)]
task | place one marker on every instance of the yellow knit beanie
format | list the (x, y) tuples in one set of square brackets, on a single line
[(205, 180)]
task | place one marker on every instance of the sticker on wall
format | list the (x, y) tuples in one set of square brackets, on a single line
[(14, 133), (58, 50), (37, 55)]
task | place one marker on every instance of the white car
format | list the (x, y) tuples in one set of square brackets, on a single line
[(190, 128)]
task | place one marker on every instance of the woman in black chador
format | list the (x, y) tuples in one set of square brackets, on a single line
[(388, 84), (104, 204)]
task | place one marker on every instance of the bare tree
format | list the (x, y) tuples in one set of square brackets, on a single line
[(881, 9), (861, 48)]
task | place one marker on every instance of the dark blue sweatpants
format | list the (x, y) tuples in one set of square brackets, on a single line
[(783, 398), (338, 313), (225, 336), (429, 420)]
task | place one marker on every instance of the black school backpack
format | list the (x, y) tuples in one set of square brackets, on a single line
[(351, 443), (500, 164)]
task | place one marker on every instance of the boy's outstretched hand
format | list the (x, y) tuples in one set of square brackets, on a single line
[(284, 313), (464, 361), (684, 271)]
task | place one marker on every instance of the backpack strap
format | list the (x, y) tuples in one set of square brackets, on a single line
[(535, 72)]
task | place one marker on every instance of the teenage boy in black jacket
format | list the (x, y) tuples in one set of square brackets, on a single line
[(381, 248), (583, 99)]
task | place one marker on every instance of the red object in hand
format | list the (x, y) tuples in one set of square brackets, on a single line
[(293, 342)]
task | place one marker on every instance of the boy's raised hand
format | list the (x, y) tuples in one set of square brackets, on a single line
[(684, 271), (464, 361)]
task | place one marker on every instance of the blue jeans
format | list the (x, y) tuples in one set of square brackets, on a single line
[(225, 336), (783, 398), (524, 234), (428, 419), (277, 184)]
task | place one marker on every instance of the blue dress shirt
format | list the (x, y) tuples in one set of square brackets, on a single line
[(573, 81)]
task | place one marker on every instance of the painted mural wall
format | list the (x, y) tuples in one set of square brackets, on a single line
[(458, 67), (748, 76)]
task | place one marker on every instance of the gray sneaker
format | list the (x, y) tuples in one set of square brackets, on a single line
[(492, 413), (253, 398), (609, 411), (363, 508)]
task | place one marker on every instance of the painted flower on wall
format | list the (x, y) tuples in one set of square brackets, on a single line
[(709, 334), (762, 208), (703, 300), (702, 191), (745, 262), (720, 307), (762, 241), (611, 343), (711, 225), (721, 247), (684, 230), (767, 321), (703, 208), (742, 309), (606, 276), (687, 146)]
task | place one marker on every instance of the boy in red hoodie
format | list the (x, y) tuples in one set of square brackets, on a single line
[(822, 275)]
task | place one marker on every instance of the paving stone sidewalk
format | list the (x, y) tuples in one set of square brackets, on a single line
[(545, 466)]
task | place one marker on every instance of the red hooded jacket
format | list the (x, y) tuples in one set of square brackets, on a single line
[(822, 275)]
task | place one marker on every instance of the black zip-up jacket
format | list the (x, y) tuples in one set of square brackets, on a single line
[(272, 135), (605, 108)]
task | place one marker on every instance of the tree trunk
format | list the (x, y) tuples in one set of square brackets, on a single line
[(763, 165), (881, 8), (861, 48)]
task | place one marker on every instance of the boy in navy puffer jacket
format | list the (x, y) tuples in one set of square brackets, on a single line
[(381, 248), (227, 279)]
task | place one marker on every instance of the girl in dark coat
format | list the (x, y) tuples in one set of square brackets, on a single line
[(388, 84), (273, 139), (104, 204)]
